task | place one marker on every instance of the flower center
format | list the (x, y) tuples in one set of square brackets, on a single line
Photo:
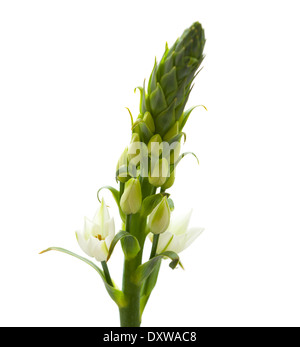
[(99, 237)]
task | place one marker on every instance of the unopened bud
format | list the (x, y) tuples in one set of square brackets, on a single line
[(131, 200), (122, 167), (134, 146), (159, 172), (159, 219), (169, 182), (154, 146), (175, 152)]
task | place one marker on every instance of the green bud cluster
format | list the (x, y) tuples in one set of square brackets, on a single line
[(159, 126), (163, 101)]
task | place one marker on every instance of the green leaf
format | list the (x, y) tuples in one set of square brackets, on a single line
[(152, 80), (130, 244), (116, 195), (150, 282), (116, 294), (141, 97), (186, 114), (148, 286), (130, 114), (149, 204), (173, 166), (144, 270), (185, 154)]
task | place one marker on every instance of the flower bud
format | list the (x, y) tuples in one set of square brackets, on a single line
[(154, 146), (169, 182), (159, 172), (159, 219), (122, 167), (131, 200), (175, 152), (133, 147)]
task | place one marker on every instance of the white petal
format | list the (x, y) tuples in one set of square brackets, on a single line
[(90, 229), (177, 243), (163, 241), (110, 226), (83, 243), (181, 242), (102, 214), (101, 251), (191, 236), (180, 223)]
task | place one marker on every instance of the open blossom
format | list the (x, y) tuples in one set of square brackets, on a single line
[(178, 237), (97, 235)]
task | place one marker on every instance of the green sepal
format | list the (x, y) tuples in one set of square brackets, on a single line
[(116, 195), (144, 270), (116, 294), (130, 244), (149, 204)]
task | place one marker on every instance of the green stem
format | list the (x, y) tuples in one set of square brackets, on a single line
[(130, 315), (154, 245), (106, 273)]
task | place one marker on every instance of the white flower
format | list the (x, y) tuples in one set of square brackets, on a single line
[(178, 237), (97, 235)]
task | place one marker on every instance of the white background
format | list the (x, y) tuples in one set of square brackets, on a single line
[(67, 71)]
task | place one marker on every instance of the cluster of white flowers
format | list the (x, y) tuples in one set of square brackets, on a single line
[(97, 234)]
